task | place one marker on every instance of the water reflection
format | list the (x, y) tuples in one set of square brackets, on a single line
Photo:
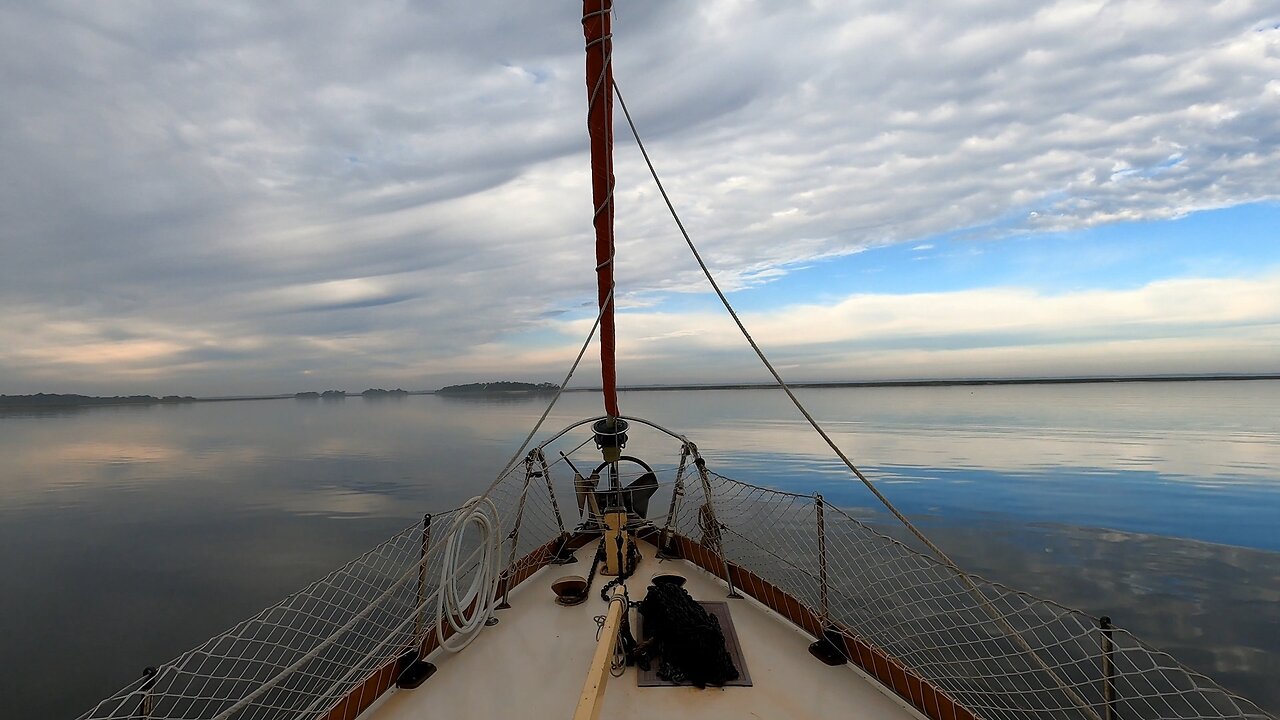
[(130, 534), (1221, 509), (1213, 607)]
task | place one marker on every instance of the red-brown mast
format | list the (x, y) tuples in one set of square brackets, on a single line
[(596, 28)]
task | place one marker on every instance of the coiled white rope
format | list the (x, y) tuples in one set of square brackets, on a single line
[(466, 613)]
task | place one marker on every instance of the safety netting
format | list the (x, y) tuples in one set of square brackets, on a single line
[(998, 652), (994, 651), (320, 646)]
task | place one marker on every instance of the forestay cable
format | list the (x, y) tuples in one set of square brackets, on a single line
[(1083, 705)]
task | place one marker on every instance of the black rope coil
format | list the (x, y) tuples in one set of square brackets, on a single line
[(687, 639)]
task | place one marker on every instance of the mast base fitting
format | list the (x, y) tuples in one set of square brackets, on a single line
[(611, 437), (826, 649), (670, 550), (563, 555), (413, 672)]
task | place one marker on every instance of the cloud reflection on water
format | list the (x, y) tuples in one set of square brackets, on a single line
[(133, 533)]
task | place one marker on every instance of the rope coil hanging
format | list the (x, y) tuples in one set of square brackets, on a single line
[(467, 612)]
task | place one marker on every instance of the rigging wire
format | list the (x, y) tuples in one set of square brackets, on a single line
[(946, 559), (760, 353), (519, 453)]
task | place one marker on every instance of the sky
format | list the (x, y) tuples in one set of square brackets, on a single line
[(243, 197)]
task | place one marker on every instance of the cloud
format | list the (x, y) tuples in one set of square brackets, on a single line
[(1184, 325), (213, 197)]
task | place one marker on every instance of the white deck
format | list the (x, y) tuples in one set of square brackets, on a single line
[(533, 663)]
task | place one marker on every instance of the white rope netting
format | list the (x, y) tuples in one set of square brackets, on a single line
[(998, 652), (302, 656)]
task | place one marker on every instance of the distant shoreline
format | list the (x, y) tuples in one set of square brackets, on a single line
[(54, 401), (944, 383), (32, 402)]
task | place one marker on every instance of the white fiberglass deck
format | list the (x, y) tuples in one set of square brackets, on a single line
[(533, 663)]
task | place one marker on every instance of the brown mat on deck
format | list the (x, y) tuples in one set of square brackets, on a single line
[(719, 608)]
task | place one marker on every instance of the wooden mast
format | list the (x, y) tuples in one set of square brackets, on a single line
[(596, 28)]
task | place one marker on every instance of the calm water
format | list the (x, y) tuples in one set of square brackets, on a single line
[(129, 534)]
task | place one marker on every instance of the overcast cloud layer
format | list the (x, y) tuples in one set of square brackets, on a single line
[(240, 197)]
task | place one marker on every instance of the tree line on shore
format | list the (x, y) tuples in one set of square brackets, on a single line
[(370, 393), (72, 400), (502, 387)]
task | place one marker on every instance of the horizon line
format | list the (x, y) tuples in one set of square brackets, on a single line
[(936, 382)]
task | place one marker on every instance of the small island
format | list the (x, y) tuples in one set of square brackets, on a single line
[(327, 395), (502, 388), (58, 400), (380, 393)]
